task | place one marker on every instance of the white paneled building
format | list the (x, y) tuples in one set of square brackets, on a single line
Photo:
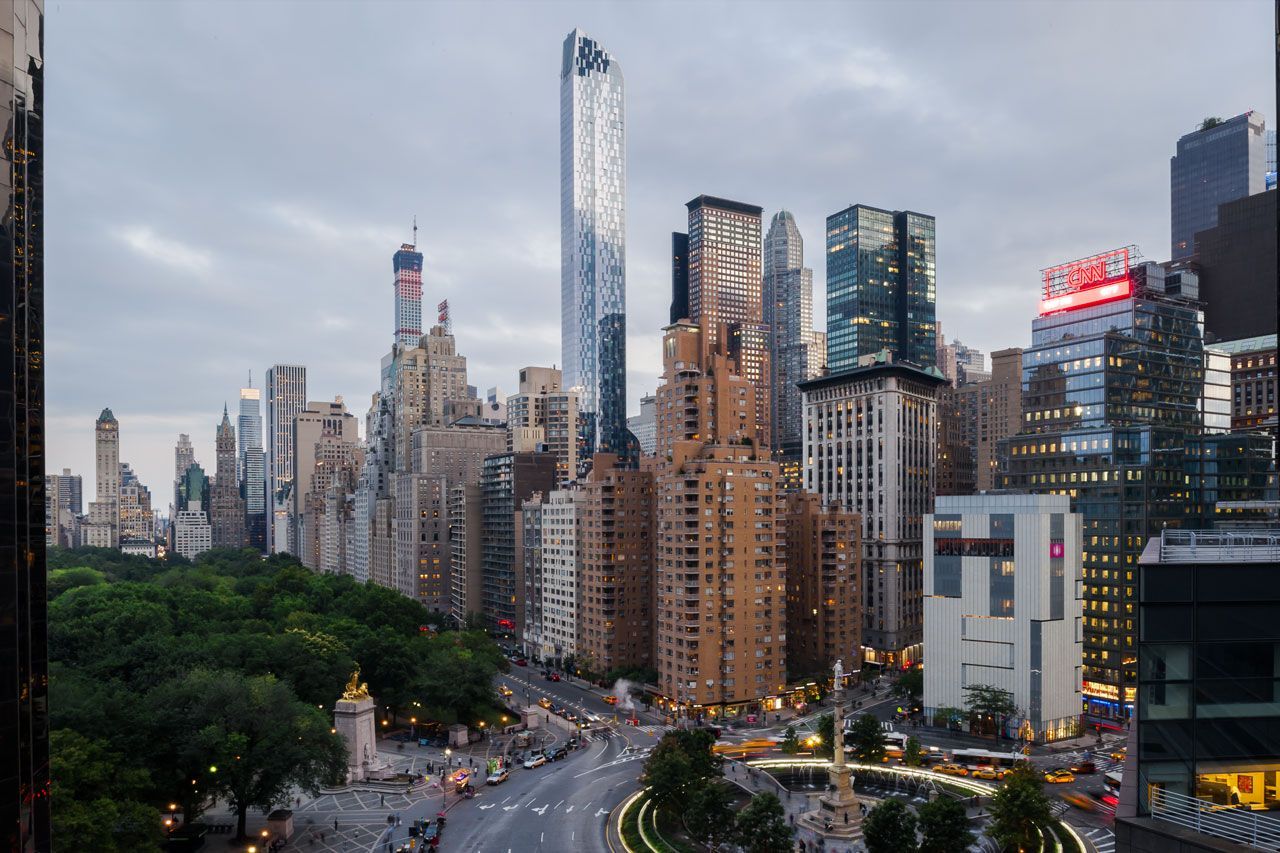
[(560, 571), (1002, 607)]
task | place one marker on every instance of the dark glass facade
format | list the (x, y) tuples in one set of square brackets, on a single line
[(507, 480), (679, 277), (1209, 683), (1211, 166), (1236, 261), (881, 278), (24, 720)]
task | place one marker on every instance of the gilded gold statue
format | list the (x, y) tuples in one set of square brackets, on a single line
[(356, 689)]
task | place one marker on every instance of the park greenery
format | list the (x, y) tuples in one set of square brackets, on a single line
[(175, 683), (1019, 808), (683, 776), (943, 827), (865, 740), (989, 705)]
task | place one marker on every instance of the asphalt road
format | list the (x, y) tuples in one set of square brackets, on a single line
[(560, 806)]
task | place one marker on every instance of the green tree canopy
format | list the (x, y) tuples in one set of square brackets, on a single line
[(944, 827), (826, 736), (98, 799), (1018, 808), (707, 813), (913, 753), (890, 827), (762, 827), (865, 740), (910, 685), (790, 741)]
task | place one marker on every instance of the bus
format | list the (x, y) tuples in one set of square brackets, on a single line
[(985, 758)]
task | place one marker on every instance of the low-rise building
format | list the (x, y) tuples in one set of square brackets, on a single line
[(1002, 608)]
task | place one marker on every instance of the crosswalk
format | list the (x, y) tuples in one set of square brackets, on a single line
[(1102, 840)]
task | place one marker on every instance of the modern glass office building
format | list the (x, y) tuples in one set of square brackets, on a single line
[(1112, 388), (593, 261), (881, 278), (1215, 164)]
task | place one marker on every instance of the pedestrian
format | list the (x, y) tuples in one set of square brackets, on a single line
[(335, 824), (382, 799)]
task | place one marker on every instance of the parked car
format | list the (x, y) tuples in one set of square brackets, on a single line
[(1084, 767), (497, 778), (535, 761), (1059, 776), (558, 753)]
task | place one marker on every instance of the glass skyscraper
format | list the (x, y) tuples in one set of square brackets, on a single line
[(796, 351), (1112, 391), (286, 397), (881, 280), (251, 461), (1215, 164), (593, 259), (24, 712)]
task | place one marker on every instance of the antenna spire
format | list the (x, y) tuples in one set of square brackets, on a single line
[(415, 231)]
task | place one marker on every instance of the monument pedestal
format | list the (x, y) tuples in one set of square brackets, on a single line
[(838, 814), (354, 720)]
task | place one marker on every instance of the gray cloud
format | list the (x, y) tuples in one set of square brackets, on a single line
[(226, 182)]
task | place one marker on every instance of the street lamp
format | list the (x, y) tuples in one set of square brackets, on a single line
[(448, 753)]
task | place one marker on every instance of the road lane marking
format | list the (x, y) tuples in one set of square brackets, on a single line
[(489, 806), (601, 812), (557, 805), (568, 809)]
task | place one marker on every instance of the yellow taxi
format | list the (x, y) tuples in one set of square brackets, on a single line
[(1059, 776), (990, 773), (952, 769), (544, 703), (1118, 755), (504, 690)]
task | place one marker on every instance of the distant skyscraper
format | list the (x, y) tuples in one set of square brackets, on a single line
[(183, 455), (880, 286), (103, 530), (644, 426), (725, 289), (137, 522), (227, 516), (593, 256), (541, 417), (1271, 160), (286, 397), (1215, 164), (407, 264), (251, 464), (797, 352), (24, 722)]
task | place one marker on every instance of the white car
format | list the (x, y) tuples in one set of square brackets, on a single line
[(497, 778), (536, 761)]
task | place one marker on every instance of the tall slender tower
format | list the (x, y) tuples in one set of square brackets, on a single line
[(227, 516), (24, 722), (796, 351), (286, 397), (251, 467), (103, 530), (593, 257), (725, 290), (183, 455), (407, 264)]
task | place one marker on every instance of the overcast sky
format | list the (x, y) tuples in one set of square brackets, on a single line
[(227, 182)]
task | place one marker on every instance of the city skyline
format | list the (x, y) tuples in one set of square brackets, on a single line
[(293, 243)]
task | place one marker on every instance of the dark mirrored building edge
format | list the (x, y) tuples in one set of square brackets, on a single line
[(24, 722)]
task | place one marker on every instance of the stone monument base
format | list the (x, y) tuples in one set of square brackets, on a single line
[(353, 718)]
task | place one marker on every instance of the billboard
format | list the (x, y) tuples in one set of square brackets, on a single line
[(1088, 281)]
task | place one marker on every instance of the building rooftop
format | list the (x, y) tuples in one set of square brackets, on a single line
[(1213, 546), (1254, 344)]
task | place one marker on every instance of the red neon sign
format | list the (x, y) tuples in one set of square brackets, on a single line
[(1089, 281)]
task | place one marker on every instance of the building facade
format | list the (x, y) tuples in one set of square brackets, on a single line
[(192, 533), (720, 599), (726, 290), (1112, 387), (796, 351), (1002, 609), (561, 547), (1253, 382), (506, 482), (644, 426), (24, 724), (1236, 265), (1206, 760), (406, 264), (103, 529), (593, 250), (466, 552), (880, 286), (227, 512), (251, 464), (871, 438), (286, 397), (137, 521), (423, 555), (824, 585), (544, 416), (1217, 163), (615, 605)]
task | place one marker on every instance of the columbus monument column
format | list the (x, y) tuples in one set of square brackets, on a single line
[(838, 815)]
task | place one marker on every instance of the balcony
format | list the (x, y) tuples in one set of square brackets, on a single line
[(1243, 827)]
